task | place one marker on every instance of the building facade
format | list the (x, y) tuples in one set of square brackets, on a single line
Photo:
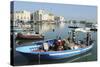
[(23, 16), (39, 15), (59, 19), (42, 15), (21, 19)]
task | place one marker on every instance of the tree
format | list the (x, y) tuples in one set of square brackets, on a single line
[(74, 21), (83, 22)]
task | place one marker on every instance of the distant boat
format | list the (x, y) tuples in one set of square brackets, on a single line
[(73, 26), (85, 30), (29, 36), (93, 29)]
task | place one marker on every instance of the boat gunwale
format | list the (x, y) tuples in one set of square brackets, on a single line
[(54, 52)]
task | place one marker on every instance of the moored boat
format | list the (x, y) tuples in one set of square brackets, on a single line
[(93, 29), (73, 27), (30, 36), (34, 51)]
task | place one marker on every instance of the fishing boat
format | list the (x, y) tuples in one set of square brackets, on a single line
[(30, 36), (46, 49), (93, 29)]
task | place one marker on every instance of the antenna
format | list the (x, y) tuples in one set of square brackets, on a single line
[(39, 57)]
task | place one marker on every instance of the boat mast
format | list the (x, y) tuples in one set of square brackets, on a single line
[(88, 38)]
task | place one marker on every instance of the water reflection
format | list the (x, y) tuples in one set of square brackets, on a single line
[(50, 29), (45, 27), (62, 24)]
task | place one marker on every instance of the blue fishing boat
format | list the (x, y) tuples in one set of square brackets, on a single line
[(50, 49), (33, 52)]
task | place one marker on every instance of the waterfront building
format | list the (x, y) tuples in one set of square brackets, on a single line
[(21, 19), (59, 18), (51, 17), (22, 16), (39, 15), (42, 15)]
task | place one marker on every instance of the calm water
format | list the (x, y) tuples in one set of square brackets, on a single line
[(52, 31)]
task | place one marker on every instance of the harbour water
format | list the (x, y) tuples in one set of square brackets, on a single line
[(52, 31)]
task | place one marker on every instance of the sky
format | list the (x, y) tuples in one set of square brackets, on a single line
[(69, 11)]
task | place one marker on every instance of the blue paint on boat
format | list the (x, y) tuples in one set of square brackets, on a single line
[(28, 52)]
